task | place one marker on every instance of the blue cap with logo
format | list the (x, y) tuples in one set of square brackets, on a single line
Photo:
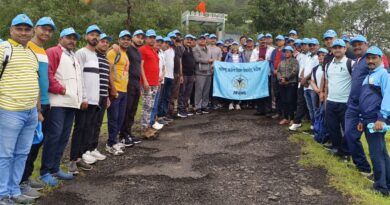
[(46, 21), (202, 37), (212, 36), (298, 41), (69, 31), (176, 32), (373, 50), (288, 48), (279, 38), (138, 32), (322, 50), (171, 35), (206, 35), (260, 36), (22, 19), (338, 42), (293, 32), (150, 33), (345, 38), (105, 36), (92, 28), (159, 38), (329, 34), (358, 38), (167, 39), (314, 41), (306, 41), (124, 33), (268, 35)]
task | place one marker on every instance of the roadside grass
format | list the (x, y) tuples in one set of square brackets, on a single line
[(342, 176)]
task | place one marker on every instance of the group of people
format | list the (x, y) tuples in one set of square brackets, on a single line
[(46, 93)]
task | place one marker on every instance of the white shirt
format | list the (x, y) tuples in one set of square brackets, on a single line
[(303, 59), (308, 68), (318, 76), (236, 58), (169, 56), (255, 54), (161, 62)]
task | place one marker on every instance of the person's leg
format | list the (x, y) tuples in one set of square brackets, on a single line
[(333, 124), (301, 106), (23, 144), (89, 131), (122, 106), (99, 121), (163, 93), (133, 96), (167, 96), (112, 121), (153, 114), (276, 91), (309, 104), (315, 100), (78, 135), (147, 106), (174, 94), (199, 86), (181, 102), (206, 92), (291, 97), (341, 116)]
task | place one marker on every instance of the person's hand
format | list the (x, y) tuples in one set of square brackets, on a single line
[(360, 127), (113, 92), (84, 106), (304, 82), (63, 91), (322, 96), (116, 48), (275, 72), (146, 86), (379, 125), (108, 102), (181, 79), (318, 91), (40, 117), (211, 61)]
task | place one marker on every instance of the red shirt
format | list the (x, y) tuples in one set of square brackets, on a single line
[(278, 58), (151, 64)]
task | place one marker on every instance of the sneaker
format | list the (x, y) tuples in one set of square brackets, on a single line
[(127, 142), (21, 199), (148, 133), (83, 165), (162, 121), (198, 112), (63, 175), (118, 148), (168, 119), (231, 106), (182, 115), (72, 168), (113, 151), (189, 114), (294, 127), (98, 156), (29, 192), (37, 185), (157, 126), (121, 145), (135, 139), (49, 180), (6, 201), (238, 107), (88, 158), (205, 111)]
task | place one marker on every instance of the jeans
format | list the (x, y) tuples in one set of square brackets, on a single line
[(155, 107), (116, 116), (174, 95), (288, 96), (16, 136), (165, 97), (185, 93), (56, 139), (202, 91), (133, 95), (94, 141), (312, 100), (335, 124), (34, 151)]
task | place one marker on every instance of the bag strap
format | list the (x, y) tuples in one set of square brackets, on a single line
[(314, 72), (6, 56), (349, 66), (117, 58)]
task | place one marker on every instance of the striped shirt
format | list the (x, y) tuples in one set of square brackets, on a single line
[(19, 88), (104, 72)]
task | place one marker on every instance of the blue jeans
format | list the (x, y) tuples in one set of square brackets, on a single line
[(116, 116), (165, 97), (56, 139), (16, 136), (312, 99), (155, 108)]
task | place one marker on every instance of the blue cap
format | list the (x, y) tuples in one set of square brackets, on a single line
[(298, 41), (288, 48), (38, 135), (171, 35), (190, 36), (124, 33), (279, 38), (176, 32), (159, 38), (235, 43), (150, 33), (220, 43), (22, 19), (138, 32), (212, 36), (290, 39), (92, 28), (373, 50), (293, 32), (268, 35), (314, 41), (322, 50), (167, 39), (202, 36), (46, 21), (260, 36), (338, 42), (249, 39), (329, 34), (105, 36), (306, 41), (69, 31), (359, 38), (206, 35), (345, 38)]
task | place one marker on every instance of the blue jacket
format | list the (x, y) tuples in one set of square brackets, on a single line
[(359, 72), (272, 60), (229, 57), (374, 101)]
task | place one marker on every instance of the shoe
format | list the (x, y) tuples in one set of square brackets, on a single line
[(21, 199), (72, 168), (182, 115), (189, 114), (148, 133), (29, 192), (97, 155), (238, 107), (205, 111), (168, 119), (49, 180), (88, 158), (63, 175), (198, 112), (6, 201), (294, 127), (121, 145), (276, 116), (231, 106), (83, 165), (157, 126), (135, 140), (127, 142), (113, 151), (162, 121), (118, 148), (37, 185), (328, 146)]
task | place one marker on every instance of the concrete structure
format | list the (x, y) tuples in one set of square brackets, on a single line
[(214, 19)]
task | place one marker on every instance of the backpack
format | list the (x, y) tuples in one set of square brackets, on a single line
[(314, 73), (6, 56), (349, 67), (321, 135)]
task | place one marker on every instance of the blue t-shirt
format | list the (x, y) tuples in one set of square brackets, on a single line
[(339, 81)]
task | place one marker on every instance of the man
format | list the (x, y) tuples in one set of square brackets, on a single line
[(133, 88), (215, 54), (297, 47), (43, 32), (178, 74), (243, 40), (338, 86), (188, 62), (19, 105), (248, 50), (303, 59), (269, 40), (150, 81), (349, 52), (352, 135), (86, 117), (65, 95), (276, 57), (374, 107), (293, 34), (329, 37)]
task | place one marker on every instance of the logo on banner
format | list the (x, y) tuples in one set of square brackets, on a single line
[(240, 83)]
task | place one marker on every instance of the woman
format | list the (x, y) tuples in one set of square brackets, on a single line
[(234, 56), (288, 79)]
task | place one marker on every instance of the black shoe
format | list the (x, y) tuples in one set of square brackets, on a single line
[(205, 111), (168, 119), (199, 112), (135, 140), (127, 141)]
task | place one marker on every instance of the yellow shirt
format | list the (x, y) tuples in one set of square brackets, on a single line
[(19, 86), (120, 71)]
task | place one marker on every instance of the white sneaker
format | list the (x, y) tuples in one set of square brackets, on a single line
[(88, 158), (98, 156), (118, 148), (120, 145), (231, 106), (238, 107), (157, 126), (294, 127), (113, 150)]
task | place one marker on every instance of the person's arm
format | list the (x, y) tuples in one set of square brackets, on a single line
[(279, 72), (80, 57), (294, 70), (313, 84), (144, 80), (384, 112)]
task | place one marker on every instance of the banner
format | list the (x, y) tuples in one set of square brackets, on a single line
[(241, 81)]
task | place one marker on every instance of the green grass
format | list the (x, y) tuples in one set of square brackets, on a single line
[(342, 176)]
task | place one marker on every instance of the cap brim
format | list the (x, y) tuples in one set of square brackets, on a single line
[(27, 24), (52, 26)]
